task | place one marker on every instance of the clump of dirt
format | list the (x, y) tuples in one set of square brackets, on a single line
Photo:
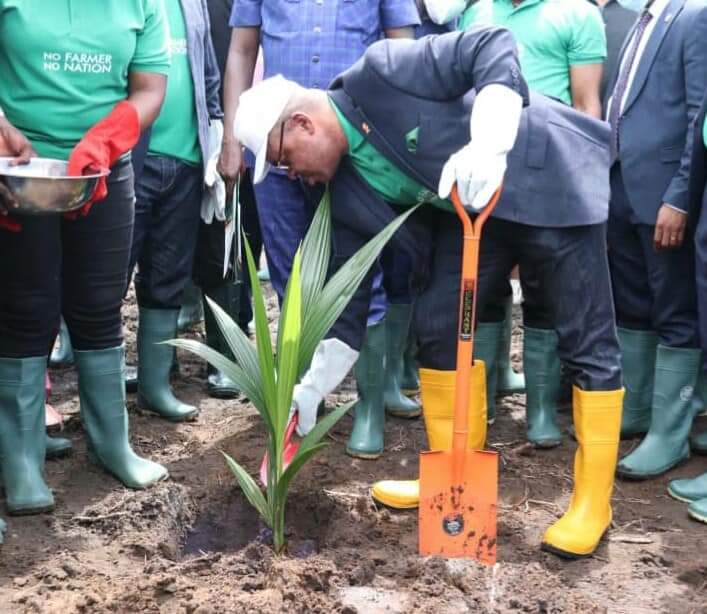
[(193, 545)]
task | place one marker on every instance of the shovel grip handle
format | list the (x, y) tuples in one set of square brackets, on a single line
[(467, 312)]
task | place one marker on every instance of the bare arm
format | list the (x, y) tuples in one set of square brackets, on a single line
[(400, 33), (238, 77), (585, 80), (146, 93)]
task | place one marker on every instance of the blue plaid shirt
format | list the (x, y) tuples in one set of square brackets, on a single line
[(312, 41)]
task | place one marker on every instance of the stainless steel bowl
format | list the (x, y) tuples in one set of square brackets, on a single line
[(42, 186)]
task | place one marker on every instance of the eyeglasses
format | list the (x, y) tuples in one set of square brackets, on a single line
[(279, 163)]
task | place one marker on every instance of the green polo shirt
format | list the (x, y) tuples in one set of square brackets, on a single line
[(64, 64), (386, 179), (175, 132), (551, 35)]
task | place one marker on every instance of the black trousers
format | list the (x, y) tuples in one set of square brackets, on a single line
[(167, 210), (653, 290), (75, 268), (208, 263), (573, 279)]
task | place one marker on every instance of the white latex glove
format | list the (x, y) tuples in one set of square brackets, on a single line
[(478, 167), (443, 11), (331, 363)]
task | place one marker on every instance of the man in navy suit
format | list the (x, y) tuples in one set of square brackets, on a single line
[(656, 94)]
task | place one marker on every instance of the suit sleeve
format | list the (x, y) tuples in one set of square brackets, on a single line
[(695, 67), (447, 66)]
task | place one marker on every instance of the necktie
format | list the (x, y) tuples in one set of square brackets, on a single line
[(621, 83)]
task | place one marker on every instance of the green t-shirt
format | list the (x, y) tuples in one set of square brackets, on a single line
[(386, 179), (175, 132), (64, 64), (551, 35)]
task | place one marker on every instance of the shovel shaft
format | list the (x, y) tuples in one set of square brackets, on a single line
[(467, 313)]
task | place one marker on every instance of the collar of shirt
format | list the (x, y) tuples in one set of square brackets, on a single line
[(522, 4), (656, 9)]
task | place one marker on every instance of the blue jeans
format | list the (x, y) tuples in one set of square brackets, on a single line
[(167, 213)]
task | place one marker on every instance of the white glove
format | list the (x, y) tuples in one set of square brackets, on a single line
[(443, 11), (478, 167), (331, 363)]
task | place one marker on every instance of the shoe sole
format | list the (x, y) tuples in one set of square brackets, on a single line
[(408, 415), (31, 511), (546, 445), (566, 554), (649, 476), (224, 395), (394, 507), (364, 455), (409, 392), (697, 516), (679, 498)]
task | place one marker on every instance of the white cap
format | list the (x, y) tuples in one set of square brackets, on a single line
[(258, 111)]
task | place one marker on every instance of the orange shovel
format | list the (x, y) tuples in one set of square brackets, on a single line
[(459, 489)]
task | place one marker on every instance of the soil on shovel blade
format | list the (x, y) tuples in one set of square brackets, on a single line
[(192, 544)]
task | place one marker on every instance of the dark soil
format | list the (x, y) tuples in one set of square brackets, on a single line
[(192, 544)]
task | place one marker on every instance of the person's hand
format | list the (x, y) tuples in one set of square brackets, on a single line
[(669, 228), (478, 174), (231, 163), (15, 145)]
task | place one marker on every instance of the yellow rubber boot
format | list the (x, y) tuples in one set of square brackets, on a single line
[(597, 422), (437, 389)]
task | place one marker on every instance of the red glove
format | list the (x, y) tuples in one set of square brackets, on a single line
[(101, 146), (7, 223)]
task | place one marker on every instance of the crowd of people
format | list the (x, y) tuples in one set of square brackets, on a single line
[(590, 112)]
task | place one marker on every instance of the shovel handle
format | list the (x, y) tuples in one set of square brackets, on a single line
[(467, 311)]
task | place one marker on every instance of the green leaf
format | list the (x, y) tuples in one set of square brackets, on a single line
[(242, 347), (250, 489), (316, 249), (262, 337), (283, 484), (341, 287), (290, 329), (323, 426), (239, 376)]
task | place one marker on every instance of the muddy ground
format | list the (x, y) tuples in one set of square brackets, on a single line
[(192, 545)]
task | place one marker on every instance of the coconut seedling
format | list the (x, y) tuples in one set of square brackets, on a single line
[(311, 306)]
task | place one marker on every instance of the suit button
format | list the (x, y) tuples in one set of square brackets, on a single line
[(315, 59)]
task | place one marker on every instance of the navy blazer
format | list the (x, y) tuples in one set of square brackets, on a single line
[(698, 165), (656, 130), (558, 170)]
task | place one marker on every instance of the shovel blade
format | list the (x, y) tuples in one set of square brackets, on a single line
[(458, 517)]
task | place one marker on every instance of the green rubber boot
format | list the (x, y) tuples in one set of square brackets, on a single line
[(154, 362), (509, 382), (63, 355), (105, 418), (22, 435), (487, 343), (542, 375), (638, 355), (192, 311), (698, 510), (57, 447), (397, 327), (3, 528), (366, 439), (227, 296), (410, 381), (699, 401), (698, 443), (689, 490), (666, 444)]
